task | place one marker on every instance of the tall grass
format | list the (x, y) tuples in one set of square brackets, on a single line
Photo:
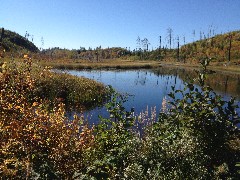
[(72, 90)]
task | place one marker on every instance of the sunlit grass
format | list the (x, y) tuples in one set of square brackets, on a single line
[(115, 63)]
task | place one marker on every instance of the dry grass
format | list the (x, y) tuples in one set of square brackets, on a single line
[(108, 64), (132, 64), (224, 67)]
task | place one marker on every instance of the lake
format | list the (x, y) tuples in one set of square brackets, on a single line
[(148, 88)]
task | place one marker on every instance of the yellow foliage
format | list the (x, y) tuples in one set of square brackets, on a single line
[(30, 134), (25, 56)]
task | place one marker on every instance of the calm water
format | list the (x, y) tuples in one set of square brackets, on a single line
[(147, 88)]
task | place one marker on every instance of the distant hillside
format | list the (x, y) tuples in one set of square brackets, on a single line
[(97, 54), (12, 41), (216, 47), (221, 48)]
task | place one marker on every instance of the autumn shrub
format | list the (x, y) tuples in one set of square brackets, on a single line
[(36, 141)]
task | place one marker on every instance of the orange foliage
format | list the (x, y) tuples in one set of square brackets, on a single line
[(31, 135)]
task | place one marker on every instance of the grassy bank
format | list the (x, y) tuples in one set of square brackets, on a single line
[(136, 64), (73, 91), (57, 87), (105, 64)]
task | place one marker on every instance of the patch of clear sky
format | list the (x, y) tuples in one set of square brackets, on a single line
[(107, 23)]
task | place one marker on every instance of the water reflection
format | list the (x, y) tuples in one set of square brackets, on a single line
[(148, 88), (226, 84)]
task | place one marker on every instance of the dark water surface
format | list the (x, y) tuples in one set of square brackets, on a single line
[(148, 88)]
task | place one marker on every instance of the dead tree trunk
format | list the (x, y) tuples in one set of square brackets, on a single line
[(229, 49)]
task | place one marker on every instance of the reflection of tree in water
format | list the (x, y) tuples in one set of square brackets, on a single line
[(141, 78), (238, 82), (221, 82), (226, 85)]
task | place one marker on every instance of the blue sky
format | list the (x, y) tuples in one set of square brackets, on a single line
[(91, 23)]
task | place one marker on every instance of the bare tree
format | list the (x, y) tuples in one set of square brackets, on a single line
[(200, 35), (160, 46), (27, 35), (178, 50), (42, 42), (160, 42), (138, 43), (194, 34), (170, 34), (145, 44), (230, 46)]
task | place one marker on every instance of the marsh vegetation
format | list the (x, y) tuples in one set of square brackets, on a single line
[(195, 137)]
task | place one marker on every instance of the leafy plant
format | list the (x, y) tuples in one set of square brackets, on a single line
[(114, 141), (192, 139)]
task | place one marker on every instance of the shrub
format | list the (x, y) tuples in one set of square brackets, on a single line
[(33, 140), (114, 142), (193, 138)]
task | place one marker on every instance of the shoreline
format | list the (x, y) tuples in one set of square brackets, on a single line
[(137, 64)]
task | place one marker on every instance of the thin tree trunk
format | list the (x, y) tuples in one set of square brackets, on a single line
[(229, 49)]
